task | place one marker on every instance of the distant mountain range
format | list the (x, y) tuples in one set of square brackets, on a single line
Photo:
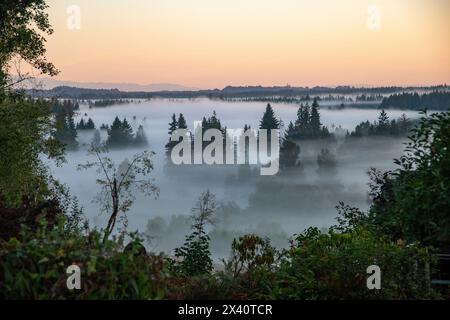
[(48, 84)]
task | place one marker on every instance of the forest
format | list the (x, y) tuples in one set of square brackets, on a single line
[(404, 229)]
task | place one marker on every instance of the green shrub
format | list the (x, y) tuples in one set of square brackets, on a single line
[(34, 267), (334, 266)]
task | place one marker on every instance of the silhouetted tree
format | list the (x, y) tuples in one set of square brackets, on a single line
[(269, 121), (120, 134), (141, 138), (302, 122), (181, 123), (119, 183), (314, 122)]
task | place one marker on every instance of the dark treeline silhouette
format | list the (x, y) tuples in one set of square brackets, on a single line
[(384, 127), (120, 135), (308, 125), (369, 97), (436, 100), (268, 122), (227, 92), (107, 103), (86, 125), (66, 130), (173, 126)]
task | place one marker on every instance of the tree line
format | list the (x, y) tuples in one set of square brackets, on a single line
[(436, 100)]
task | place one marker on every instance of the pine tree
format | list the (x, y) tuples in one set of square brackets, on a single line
[(181, 122), (173, 125), (115, 134), (81, 125), (195, 253), (120, 134), (66, 130), (314, 122), (127, 132), (403, 124), (289, 150), (90, 125), (383, 123), (302, 122), (289, 153), (269, 121), (141, 138), (290, 132)]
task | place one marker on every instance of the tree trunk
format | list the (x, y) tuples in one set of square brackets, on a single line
[(115, 211)]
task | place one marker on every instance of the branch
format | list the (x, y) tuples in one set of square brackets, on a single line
[(128, 170), (16, 82), (104, 169)]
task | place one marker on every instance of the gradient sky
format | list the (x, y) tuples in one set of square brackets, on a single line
[(214, 43)]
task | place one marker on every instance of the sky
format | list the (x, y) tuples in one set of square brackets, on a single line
[(212, 43)]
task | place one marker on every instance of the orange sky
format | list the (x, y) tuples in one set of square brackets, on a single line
[(214, 43)]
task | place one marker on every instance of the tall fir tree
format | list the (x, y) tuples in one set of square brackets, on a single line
[(314, 122), (127, 131), (302, 122), (90, 125), (383, 123), (269, 121), (66, 130), (181, 122), (289, 150), (173, 125)]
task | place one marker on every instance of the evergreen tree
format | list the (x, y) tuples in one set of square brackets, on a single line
[(195, 254), (81, 125), (66, 131), (90, 125), (289, 153), (120, 134), (302, 122), (127, 131), (115, 134), (173, 125), (314, 122), (289, 150), (141, 138), (181, 122), (403, 124), (383, 123), (269, 121), (290, 132)]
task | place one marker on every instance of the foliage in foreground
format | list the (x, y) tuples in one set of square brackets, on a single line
[(317, 266), (34, 267)]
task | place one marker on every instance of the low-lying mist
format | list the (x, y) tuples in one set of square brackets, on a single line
[(273, 206)]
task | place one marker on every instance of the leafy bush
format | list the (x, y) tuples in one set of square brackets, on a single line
[(333, 266), (412, 202), (34, 267)]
